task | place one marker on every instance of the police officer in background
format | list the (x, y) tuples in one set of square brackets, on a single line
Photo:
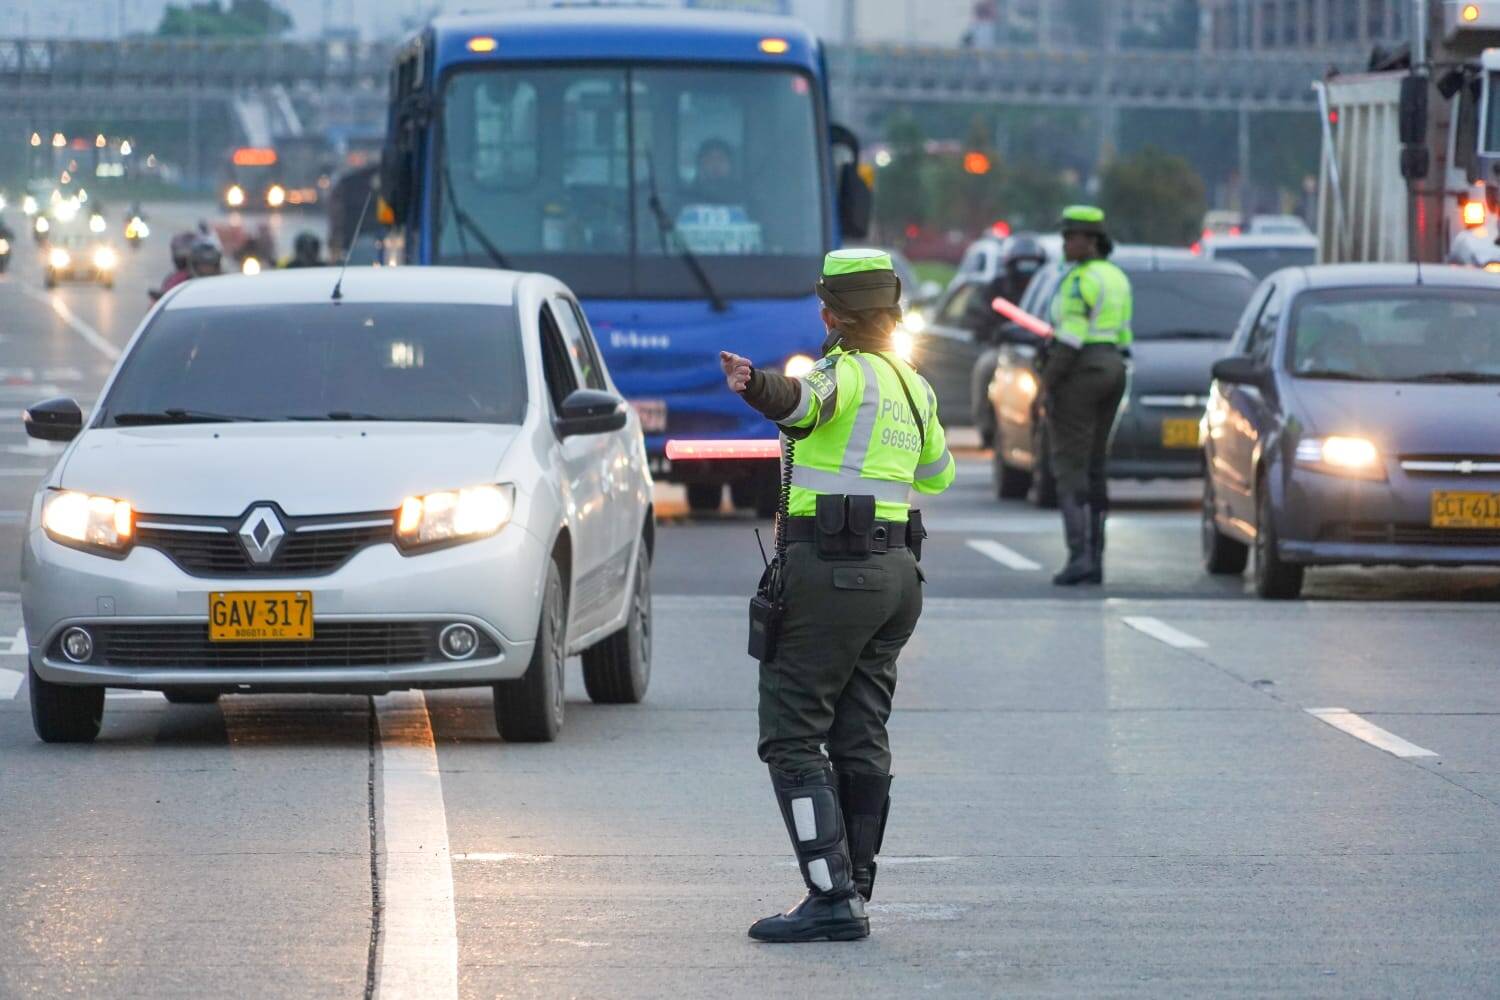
[(863, 429), (1084, 377)]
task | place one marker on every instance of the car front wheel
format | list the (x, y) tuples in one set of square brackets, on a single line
[(1222, 555), (1274, 579), (1043, 483), (65, 713), (529, 709), (617, 669)]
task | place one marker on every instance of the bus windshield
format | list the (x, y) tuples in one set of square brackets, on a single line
[(604, 175)]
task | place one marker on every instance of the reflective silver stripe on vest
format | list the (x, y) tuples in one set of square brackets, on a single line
[(858, 447), (803, 407), (1095, 334), (820, 481), (934, 468)]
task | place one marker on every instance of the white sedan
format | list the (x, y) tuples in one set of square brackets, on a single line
[(424, 480)]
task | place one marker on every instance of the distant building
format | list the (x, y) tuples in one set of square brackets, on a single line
[(1281, 25)]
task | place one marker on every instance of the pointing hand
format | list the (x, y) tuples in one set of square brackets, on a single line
[(736, 370)]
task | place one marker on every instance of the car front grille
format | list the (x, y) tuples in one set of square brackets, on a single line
[(335, 644), (1377, 533), (302, 553)]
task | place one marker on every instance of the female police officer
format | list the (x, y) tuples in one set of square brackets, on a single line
[(863, 430)]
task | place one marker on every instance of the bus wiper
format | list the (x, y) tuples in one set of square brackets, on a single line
[(466, 222), (668, 229), (178, 415), (1456, 376)]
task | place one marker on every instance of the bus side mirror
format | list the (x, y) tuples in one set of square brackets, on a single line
[(855, 201), (395, 183)]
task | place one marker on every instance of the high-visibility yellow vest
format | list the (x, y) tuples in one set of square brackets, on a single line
[(1093, 306)]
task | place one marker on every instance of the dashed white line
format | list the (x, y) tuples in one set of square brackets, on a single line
[(92, 337), (1363, 729), (418, 932), (1162, 632), (1002, 554), (10, 683)]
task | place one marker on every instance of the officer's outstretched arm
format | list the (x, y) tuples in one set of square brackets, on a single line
[(935, 466), (801, 405)]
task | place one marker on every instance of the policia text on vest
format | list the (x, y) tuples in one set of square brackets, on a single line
[(860, 432)]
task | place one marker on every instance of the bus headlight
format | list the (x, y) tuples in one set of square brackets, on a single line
[(276, 196), (235, 196)]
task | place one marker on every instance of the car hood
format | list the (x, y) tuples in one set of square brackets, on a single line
[(219, 470), (1174, 367), (1443, 419)]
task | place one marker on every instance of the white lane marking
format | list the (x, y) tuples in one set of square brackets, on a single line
[(17, 645), (92, 337), (1363, 729), (1002, 554), (418, 933), (1162, 632), (10, 683), (115, 694)]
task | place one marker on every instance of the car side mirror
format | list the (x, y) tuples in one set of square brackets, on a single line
[(53, 420), (590, 411), (1241, 369)]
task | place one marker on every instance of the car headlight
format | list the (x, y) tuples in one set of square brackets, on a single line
[(4, 247), (96, 223), (454, 515), (59, 258), (798, 365), (1340, 455), (79, 519), (105, 259), (276, 196), (250, 266), (28, 205), (914, 321), (903, 344), (42, 225), (234, 196)]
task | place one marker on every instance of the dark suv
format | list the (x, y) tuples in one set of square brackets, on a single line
[(1186, 309)]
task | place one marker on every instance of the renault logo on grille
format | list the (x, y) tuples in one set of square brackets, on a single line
[(261, 534)]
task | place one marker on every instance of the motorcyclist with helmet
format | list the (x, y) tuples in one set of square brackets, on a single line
[(306, 251), (178, 246)]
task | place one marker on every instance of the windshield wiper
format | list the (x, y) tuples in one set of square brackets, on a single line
[(1453, 377), (352, 415), (1329, 373), (666, 228), (1185, 335), (466, 222), (178, 415)]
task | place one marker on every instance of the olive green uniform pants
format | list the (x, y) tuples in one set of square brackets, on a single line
[(834, 672), (1081, 409)]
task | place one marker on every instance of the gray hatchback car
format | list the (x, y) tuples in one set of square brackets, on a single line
[(1356, 421)]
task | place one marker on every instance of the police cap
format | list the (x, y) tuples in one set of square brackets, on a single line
[(855, 280), (1082, 219)]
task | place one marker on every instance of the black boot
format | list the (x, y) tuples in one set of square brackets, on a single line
[(1097, 512), (1078, 524), (866, 802), (832, 910)]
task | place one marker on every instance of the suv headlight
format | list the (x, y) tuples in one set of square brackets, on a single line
[(85, 521), (454, 515), (1340, 455)]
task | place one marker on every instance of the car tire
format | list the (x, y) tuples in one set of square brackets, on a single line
[(1043, 482), (1011, 483), (1222, 555), (704, 498), (984, 420), (617, 669), (181, 696), (65, 713), (529, 709), (1274, 579)]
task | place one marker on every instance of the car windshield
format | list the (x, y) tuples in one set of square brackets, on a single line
[(1172, 305), (1261, 261), (323, 361), (1398, 335), (602, 175)]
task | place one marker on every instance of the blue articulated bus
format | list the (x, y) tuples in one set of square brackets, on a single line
[(677, 169)]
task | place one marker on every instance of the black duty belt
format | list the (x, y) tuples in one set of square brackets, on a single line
[(883, 535)]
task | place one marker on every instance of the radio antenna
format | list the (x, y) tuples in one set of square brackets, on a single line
[(353, 240)]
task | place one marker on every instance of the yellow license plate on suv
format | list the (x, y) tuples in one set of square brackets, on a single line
[(1463, 509), (1179, 432), (260, 616)]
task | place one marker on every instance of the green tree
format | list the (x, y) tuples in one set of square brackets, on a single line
[(900, 195), (211, 19), (1152, 197)]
